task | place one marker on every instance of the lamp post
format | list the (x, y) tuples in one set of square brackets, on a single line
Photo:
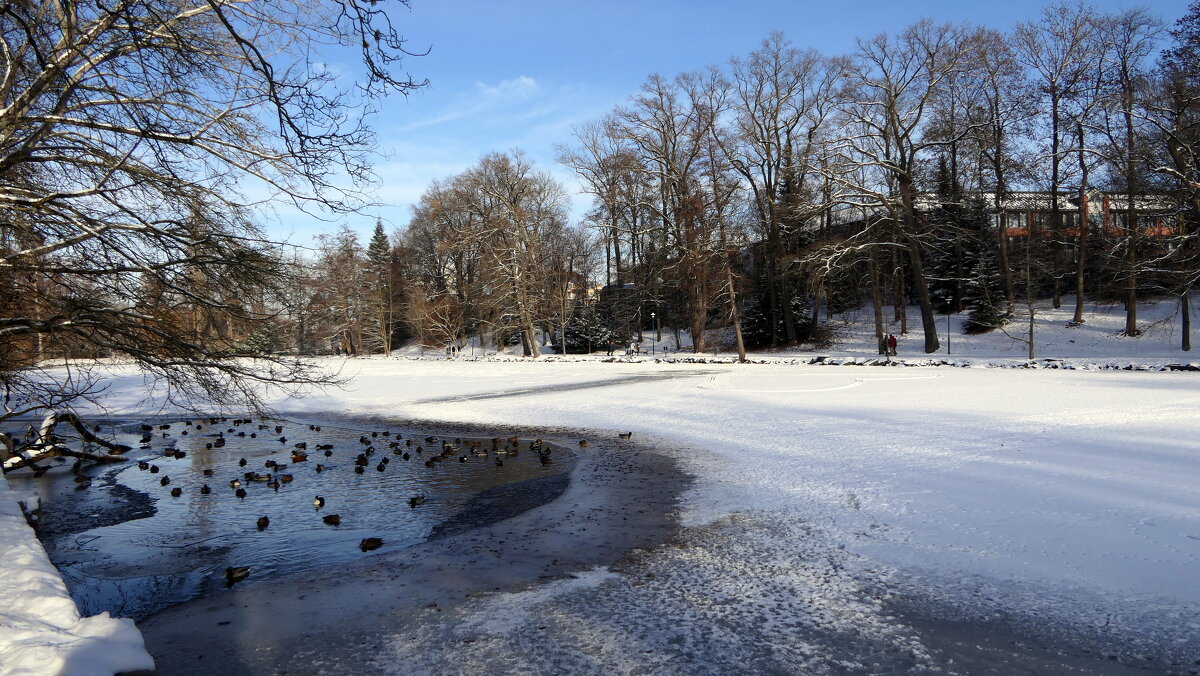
[(654, 316)]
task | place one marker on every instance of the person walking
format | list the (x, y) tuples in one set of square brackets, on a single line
[(892, 344)]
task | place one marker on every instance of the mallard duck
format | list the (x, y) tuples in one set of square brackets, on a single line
[(302, 445), (320, 468), (416, 500), (143, 465), (205, 490), (263, 522), (369, 544), (242, 462), (241, 493), (154, 469), (238, 574), (358, 469), (176, 492), (332, 519), (209, 472), (165, 480)]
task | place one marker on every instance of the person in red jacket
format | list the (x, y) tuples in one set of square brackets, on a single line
[(892, 344)]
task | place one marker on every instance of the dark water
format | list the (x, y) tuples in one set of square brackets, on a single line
[(126, 546)]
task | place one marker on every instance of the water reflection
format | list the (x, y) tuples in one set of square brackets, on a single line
[(133, 567)]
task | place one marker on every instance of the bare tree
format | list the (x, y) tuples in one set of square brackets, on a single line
[(895, 81), (137, 140)]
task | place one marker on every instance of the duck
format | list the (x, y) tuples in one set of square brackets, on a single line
[(154, 469), (318, 502), (234, 483), (283, 440), (205, 490), (416, 500), (369, 544), (180, 455), (332, 519), (269, 463), (381, 466), (302, 445), (143, 465), (299, 457), (328, 453), (241, 493), (209, 472), (625, 435), (263, 522), (583, 443), (242, 462), (324, 447), (237, 574), (320, 468), (286, 478), (164, 481), (176, 492), (358, 469)]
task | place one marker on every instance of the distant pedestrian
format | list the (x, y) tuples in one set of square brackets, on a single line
[(883, 345), (610, 347), (892, 344)]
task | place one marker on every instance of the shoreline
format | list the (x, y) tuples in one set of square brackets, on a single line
[(621, 496)]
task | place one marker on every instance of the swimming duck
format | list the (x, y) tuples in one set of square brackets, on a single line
[(625, 435), (238, 574), (320, 468), (234, 483), (165, 480), (241, 493), (286, 478), (263, 522), (332, 519), (205, 490), (416, 500), (242, 462), (318, 502), (176, 492), (358, 469), (369, 544), (143, 465), (209, 472), (154, 469), (299, 457)]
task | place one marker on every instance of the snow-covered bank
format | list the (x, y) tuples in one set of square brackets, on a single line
[(41, 631)]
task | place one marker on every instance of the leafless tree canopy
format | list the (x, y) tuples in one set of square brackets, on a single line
[(138, 140)]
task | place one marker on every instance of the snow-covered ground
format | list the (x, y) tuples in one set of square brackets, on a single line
[(1063, 500)]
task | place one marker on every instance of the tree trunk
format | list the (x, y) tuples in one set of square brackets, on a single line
[(733, 313), (928, 321), (876, 296), (1186, 311)]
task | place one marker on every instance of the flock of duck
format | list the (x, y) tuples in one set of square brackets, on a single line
[(376, 448)]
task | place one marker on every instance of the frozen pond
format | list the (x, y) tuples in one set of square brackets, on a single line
[(127, 545)]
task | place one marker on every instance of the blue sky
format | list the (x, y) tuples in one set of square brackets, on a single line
[(510, 74)]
